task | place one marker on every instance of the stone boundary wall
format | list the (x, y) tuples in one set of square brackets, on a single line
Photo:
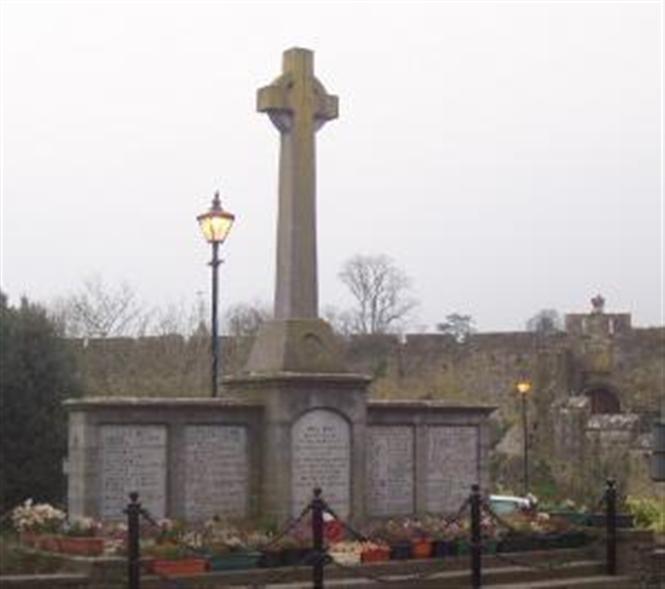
[(483, 368)]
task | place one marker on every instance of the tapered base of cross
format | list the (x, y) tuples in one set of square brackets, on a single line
[(296, 345)]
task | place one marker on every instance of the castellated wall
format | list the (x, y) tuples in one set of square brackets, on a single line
[(483, 368)]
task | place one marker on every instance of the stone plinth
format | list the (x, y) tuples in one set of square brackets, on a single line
[(313, 435), (305, 346)]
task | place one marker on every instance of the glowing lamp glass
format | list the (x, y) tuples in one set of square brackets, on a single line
[(216, 223), (523, 387), (215, 226)]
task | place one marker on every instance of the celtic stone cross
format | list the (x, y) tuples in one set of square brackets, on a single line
[(298, 106)]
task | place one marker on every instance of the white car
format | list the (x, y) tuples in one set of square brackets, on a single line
[(506, 504)]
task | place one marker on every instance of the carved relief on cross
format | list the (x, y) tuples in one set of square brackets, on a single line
[(298, 106)]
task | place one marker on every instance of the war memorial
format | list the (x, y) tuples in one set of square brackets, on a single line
[(295, 417)]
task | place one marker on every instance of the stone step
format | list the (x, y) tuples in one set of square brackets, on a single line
[(592, 582), (52, 581), (504, 576)]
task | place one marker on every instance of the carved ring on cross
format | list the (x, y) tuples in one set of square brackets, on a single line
[(277, 100)]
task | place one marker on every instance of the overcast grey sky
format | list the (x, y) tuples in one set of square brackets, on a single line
[(508, 156)]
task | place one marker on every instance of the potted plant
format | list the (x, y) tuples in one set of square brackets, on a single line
[(174, 559), (459, 538), (80, 537), (346, 552), (421, 541), (230, 548), (374, 552), (398, 535), (38, 524), (442, 534)]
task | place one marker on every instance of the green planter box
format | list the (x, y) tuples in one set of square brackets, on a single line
[(575, 518), (517, 543), (234, 561)]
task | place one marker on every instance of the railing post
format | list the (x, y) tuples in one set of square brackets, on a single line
[(317, 537), (611, 526), (133, 512), (476, 540)]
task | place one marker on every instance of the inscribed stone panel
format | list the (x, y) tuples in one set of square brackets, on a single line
[(216, 464), (321, 457), (390, 470), (133, 458), (452, 466)]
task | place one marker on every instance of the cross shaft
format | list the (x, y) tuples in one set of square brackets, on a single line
[(298, 106)]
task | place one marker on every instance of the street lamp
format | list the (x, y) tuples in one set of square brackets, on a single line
[(215, 225), (523, 388)]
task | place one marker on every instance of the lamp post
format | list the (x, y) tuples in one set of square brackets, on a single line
[(215, 225), (523, 388)]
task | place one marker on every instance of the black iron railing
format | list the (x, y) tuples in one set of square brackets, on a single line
[(317, 556)]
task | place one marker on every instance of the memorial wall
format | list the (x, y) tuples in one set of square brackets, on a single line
[(194, 459)]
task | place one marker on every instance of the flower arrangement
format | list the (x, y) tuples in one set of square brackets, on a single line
[(374, 551), (347, 551), (165, 551), (37, 517), (220, 537), (396, 531), (81, 527), (115, 538), (257, 539)]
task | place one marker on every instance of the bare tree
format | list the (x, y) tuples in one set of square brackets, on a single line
[(177, 318), (244, 319), (381, 291), (100, 310), (457, 325)]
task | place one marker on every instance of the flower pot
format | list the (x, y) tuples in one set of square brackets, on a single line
[(572, 517), (597, 520), (440, 548), (574, 539), (48, 542), (490, 547), (29, 538), (333, 531), (515, 544), (452, 547), (270, 559), (186, 566), (421, 548), (233, 561), (463, 547), (550, 541), (400, 551), (347, 558), (295, 556), (378, 554), (81, 546)]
